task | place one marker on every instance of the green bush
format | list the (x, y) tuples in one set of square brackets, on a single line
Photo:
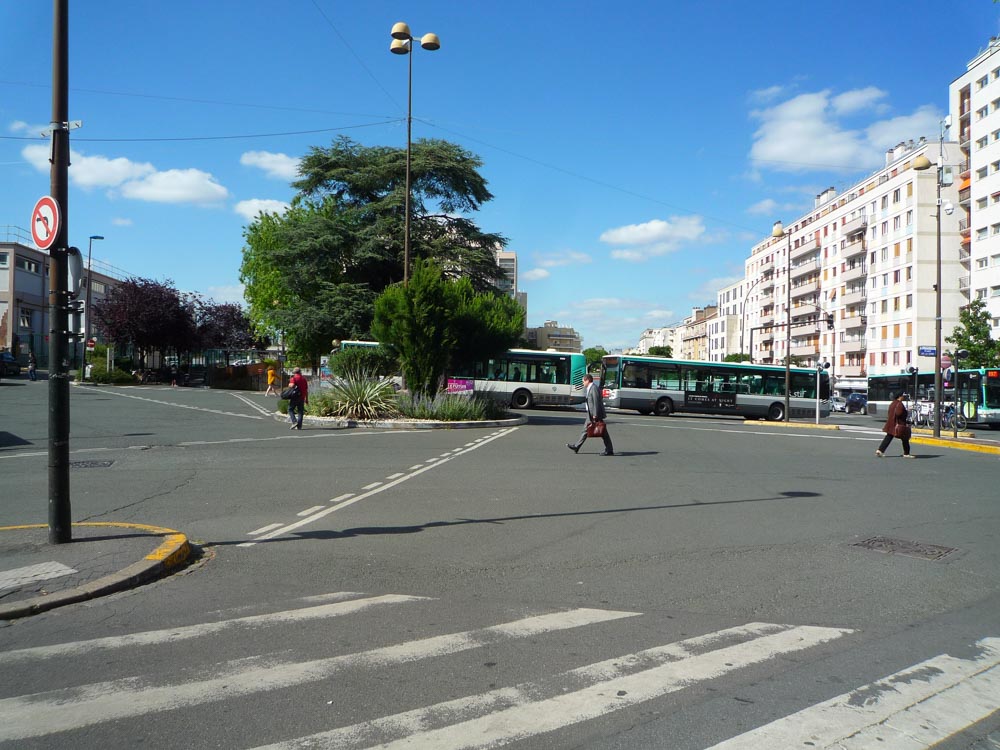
[(447, 407), (359, 394), (115, 377), (377, 360)]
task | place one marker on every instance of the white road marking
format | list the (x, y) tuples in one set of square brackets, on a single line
[(527, 710), (71, 708), (11, 579), (309, 511), (914, 708), (262, 529), (377, 489), (253, 404), (105, 391), (397, 475), (372, 486), (169, 635)]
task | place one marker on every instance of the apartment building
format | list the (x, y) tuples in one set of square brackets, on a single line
[(852, 282), (24, 296), (554, 336), (693, 334), (725, 327), (974, 99)]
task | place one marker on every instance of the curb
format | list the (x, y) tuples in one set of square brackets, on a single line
[(796, 425), (173, 552), (400, 424), (991, 449)]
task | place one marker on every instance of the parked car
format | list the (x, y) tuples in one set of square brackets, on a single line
[(856, 403), (838, 403), (9, 365)]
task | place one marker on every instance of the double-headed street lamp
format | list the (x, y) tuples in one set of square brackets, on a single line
[(402, 44), (778, 232), (920, 164), (90, 283)]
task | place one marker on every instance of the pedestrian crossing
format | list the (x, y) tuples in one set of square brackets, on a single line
[(913, 708)]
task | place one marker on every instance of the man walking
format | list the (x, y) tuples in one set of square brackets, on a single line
[(32, 366), (595, 413), (298, 402)]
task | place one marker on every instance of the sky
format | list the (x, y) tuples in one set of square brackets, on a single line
[(635, 151)]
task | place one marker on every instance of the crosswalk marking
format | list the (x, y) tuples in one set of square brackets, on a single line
[(913, 708), (511, 714), (152, 637), (11, 579), (72, 708)]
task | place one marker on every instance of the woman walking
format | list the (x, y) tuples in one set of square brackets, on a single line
[(272, 378), (896, 426)]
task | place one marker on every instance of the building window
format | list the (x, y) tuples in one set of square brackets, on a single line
[(897, 223), (981, 293), (99, 286), (995, 291), (981, 82), (982, 142), (981, 173), (995, 260), (981, 233), (982, 263), (24, 319), (895, 195), (909, 301), (26, 264), (885, 202), (885, 307), (981, 203), (895, 278), (4, 260), (982, 112)]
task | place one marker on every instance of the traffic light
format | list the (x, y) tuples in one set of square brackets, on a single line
[(829, 321)]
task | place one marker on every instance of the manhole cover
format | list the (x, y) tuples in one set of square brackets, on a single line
[(90, 464), (891, 546)]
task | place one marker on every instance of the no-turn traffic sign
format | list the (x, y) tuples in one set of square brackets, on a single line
[(45, 221)]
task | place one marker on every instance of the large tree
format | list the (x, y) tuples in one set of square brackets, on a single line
[(973, 334), (147, 315), (434, 323), (313, 273)]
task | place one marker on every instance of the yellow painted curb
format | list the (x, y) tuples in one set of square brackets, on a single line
[(806, 425), (992, 449)]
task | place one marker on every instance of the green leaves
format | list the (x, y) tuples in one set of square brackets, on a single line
[(973, 334)]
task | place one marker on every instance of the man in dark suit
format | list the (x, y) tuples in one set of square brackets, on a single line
[(595, 412)]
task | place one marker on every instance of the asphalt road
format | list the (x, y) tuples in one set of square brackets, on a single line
[(487, 587)]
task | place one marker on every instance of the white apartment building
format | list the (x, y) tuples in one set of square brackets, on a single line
[(866, 257), (725, 328), (975, 107), (665, 336)]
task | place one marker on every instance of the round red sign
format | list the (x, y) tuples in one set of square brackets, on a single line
[(45, 221)]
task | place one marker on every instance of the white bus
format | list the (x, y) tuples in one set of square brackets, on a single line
[(656, 385), (525, 377)]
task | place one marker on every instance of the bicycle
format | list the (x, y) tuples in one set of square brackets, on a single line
[(953, 419)]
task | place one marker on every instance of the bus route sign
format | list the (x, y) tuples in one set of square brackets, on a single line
[(926, 351)]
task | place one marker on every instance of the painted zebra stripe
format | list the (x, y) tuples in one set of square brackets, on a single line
[(510, 714), (890, 713), (86, 705)]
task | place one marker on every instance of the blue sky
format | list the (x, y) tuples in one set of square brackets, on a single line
[(635, 150)]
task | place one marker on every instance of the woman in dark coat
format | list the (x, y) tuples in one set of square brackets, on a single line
[(896, 426)]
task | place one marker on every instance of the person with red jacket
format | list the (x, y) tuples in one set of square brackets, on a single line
[(896, 426), (298, 402)]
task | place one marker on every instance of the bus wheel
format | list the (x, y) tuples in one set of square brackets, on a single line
[(521, 399), (645, 412), (663, 407), (776, 413)]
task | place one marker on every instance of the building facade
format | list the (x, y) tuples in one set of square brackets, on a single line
[(852, 283), (974, 101), (24, 297), (554, 336)]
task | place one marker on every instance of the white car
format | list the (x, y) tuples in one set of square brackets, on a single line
[(838, 403)]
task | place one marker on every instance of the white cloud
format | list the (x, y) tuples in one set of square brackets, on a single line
[(230, 293), (807, 132), (136, 180), (250, 209), (660, 315), (766, 95), (176, 186), (709, 290), (121, 222), (656, 237), (535, 274), (20, 126), (280, 166), (771, 207), (563, 258)]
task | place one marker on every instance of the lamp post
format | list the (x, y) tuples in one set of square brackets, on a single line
[(778, 232), (920, 164), (402, 44), (90, 283)]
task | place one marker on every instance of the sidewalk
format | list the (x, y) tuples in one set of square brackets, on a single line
[(979, 442), (103, 558)]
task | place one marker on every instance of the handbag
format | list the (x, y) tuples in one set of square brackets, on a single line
[(901, 430), (290, 392), (595, 428)]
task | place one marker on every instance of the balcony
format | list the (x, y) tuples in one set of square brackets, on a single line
[(854, 248), (963, 283), (804, 250), (767, 266), (766, 336), (804, 350), (767, 282), (852, 344), (854, 297), (853, 322), (857, 271), (965, 197), (851, 371), (766, 320), (809, 266), (810, 287), (854, 226)]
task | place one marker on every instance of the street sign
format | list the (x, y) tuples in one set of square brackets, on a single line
[(45, 221), (91, 344), (926, 351)]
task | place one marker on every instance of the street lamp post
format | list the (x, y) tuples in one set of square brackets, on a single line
[(90, 283), (743, 325), (402, 44), (920, 164), (779, 232)]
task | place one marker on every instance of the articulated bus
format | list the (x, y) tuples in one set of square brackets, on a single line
[(977, 390), (525, 377), (654, 385)]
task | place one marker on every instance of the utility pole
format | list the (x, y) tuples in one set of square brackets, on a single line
[(60, 518)]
